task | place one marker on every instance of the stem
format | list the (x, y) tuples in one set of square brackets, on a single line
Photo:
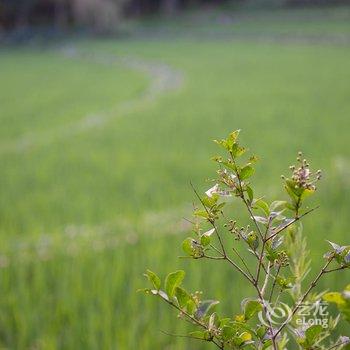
[(210, 220), (266, 279), (274, 283), (302, 299), (262, 252), (338, 268), (243, 261), (240, 270), (337, 344), (190, 337), (255, 282), (291, 223), (273, 337), (244, 199), (194, 320)]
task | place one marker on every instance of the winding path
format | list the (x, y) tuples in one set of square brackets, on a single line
[(163, 79)]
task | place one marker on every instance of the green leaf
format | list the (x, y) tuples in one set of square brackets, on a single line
[(261, 331), (246, 172), (182, 296), (278, 205), (213, 321), (250, 193), (173, 280), (201, 213), (334, 297), (187, 246), (237, 150), (191, 307), (206, 237), (234, 135), (227, 333), (250, 308), (223, 143), (246, 336), (262, 205), (197, 334), (306, 193), (292, 196), (210, 201), (267, 344), (312, 333), (153, 278)]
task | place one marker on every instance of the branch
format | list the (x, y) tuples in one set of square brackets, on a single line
[(191, 337), (274, 283), (243, 261), (302, 299), (211, 222), (338, 269), (262, 252), (291, 223), (338, 344)]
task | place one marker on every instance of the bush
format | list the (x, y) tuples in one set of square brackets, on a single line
[(276, 264)]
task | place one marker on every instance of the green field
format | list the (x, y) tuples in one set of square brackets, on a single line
[(100, 139)]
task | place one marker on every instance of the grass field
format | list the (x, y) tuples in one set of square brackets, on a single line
[(97, 154)]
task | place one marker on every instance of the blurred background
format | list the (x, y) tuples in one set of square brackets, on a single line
[(108, 109)]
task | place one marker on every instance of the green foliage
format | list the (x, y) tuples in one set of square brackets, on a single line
[(172, 281), (342, 300), (277, 250)]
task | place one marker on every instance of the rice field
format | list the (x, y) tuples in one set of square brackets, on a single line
[(100, 139)]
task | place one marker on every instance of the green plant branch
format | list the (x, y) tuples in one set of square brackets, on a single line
[(291, 223), (191, 337), (304, 296), (193, 319), (274, 283), (243, 262)]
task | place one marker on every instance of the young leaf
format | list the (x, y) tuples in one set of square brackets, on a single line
[(262, 205), (246, 172), (227, 333), (312, 333), (250, 193), (172, 281), (187, 246), (206, 237), (250, 308), (153, 278), (197, 334), (277, 205), (334, 297), (182, 296)]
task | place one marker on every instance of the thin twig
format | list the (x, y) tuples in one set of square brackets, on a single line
[(213, 257), (211, 221), (266, 279), (302, 299), (274, 283), (243, 261), (262, 252), (224, 254), (344, 267), (191, 337), (291, 223), (338, 344)]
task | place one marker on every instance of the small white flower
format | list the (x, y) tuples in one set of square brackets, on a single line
[(209, 233), (213, 190)]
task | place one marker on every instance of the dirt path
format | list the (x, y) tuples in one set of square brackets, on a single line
[(163, 79)]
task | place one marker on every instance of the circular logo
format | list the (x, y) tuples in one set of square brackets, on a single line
[(275, 314)]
